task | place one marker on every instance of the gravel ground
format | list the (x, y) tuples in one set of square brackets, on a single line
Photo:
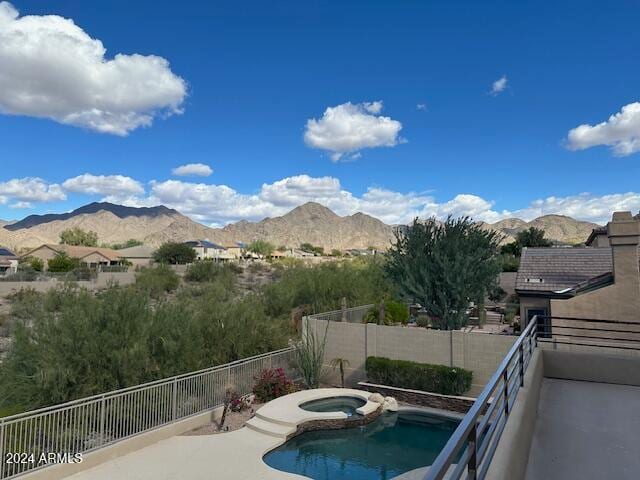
[(234, 421)]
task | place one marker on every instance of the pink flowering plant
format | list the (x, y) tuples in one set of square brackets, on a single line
[(272, 383)]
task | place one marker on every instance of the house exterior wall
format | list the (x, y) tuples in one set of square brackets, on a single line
[(45, 254), (532, 303), (95, 258), (479, 352)]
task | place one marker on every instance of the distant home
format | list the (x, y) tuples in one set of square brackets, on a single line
[(140, 255), (237, 250), (93, 257), (8, 262), (295, 253), (206, 250), (601, 282)]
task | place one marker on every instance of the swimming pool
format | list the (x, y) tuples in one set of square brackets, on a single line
[(348, 405), (389, 446)]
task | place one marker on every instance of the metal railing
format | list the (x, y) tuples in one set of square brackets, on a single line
[(351, 315), (589, 332), (471, 447), (87, 424)]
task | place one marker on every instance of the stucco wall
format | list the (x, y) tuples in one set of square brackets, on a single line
[(479, 352), (102, 281)]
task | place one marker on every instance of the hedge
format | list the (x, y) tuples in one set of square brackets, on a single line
[(418, 376)]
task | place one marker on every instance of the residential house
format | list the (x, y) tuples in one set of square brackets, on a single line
[(8, 262), (599, 282), (237, 250), (93, 257), (295, 253), (138, 256), (277, 254), (206, 250)]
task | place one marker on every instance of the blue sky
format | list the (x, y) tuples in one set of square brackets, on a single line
[(395, 108)]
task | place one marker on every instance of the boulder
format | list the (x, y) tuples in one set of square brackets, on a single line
[(390, 405), (376, 397)]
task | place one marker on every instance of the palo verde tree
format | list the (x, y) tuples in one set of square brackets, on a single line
[(444, 266), (79, 237), (261, 247)]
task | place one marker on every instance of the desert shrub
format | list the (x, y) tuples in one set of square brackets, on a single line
[(272, 383), (62, 263), (394, 312), (308, 356), (156, 281), (234, 267), (37, 264), (418, 376), (208, 271), (322, 287)]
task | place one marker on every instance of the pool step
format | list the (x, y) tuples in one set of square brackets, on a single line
[(274, 420), (269, 428)]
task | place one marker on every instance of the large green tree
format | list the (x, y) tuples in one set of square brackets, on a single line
[(444, 266), (174, 253), (261, 247), (79, 237), (529, 238)]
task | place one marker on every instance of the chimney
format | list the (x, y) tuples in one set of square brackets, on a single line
[(624, 235)]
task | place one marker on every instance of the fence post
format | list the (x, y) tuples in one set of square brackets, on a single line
[(472, 465), (102, 419), (174, 400)]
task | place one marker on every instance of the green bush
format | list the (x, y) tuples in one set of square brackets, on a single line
[(272, 383), (394, 312), (208, 271), (157, 280), (418, 376), (62, 263)]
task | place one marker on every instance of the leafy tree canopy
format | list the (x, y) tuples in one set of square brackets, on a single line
[(309, 248), (444, 266), (531, 237), (261, 247), (77, 236), (62, 263), (174, 253)]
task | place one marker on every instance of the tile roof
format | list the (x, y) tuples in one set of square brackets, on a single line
[(204, 243), (139, 251), (80, 252), (557, 269)]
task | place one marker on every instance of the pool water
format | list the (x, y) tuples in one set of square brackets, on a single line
[(390, 446), (348, 405)]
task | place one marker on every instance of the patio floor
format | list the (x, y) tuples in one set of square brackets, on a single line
[(586, 431)]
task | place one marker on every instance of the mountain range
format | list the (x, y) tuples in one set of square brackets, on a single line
[(311, 222)]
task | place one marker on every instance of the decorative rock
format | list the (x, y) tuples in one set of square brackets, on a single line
[(376, 397), (390, 405)]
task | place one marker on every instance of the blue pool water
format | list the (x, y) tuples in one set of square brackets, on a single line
[(348, 405), (390, 446)]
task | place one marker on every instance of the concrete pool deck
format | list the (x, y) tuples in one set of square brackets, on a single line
[(227, 456)]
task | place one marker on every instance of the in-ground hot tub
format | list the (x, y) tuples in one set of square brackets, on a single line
[(348, 405)]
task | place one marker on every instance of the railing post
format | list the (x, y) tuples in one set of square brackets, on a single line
[(102, 419), (174, 400), (2, 459), (505, 379), (472, 465), (521, 361)]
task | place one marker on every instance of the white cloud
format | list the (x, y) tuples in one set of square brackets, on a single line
[(348, 128), (499, 85), (621, 132), (585, 206), (114, 186), (30, 189), (50, 68), (218, 205), (422, 106), (197, 169)]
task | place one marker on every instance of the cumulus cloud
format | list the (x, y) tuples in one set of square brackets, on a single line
[(621, 132), (114, 186), (422, 106), (499, 85), (50, 68), (345, 129), (192, 169), (30, 189), (218, 205)]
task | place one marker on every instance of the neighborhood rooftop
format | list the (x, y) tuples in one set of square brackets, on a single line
[(558, 269)]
